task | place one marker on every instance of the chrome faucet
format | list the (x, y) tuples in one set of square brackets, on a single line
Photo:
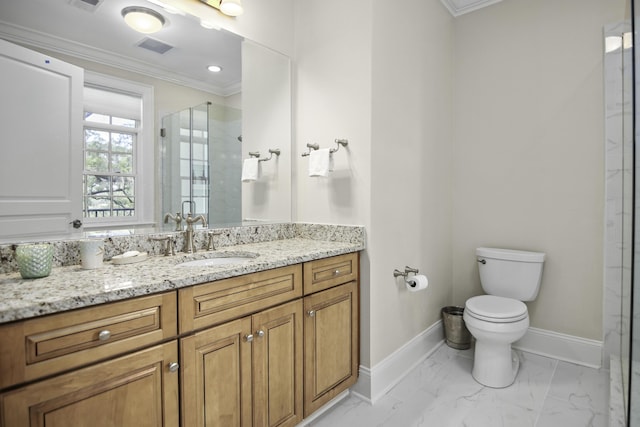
[(189, 240), (177, 218)]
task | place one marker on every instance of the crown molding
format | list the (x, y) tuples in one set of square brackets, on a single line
[(460, 7), (28, 37)]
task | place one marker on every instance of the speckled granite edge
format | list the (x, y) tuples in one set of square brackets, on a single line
[(67, 253), (71, 287)]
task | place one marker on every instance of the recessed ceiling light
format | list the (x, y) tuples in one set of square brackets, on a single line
[(142, 19), (214, 68)]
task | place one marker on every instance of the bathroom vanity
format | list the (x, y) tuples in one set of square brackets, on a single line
[(262, 343)]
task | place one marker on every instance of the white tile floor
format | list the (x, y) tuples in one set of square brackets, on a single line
[(440, 392)]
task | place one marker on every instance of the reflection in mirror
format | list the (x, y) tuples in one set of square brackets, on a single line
[(93, 36), (201, 159)]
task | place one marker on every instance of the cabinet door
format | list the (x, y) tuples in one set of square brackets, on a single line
[(41, 161), (138, 390), (331, 344), (216, 376), (277, 366)]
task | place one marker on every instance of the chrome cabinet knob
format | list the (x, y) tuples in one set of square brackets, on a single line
[(335, 273), (311, 313), (248, 338), (104, 335), (174, 366), (260, 333)]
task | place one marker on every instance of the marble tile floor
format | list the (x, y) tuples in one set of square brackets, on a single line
[(441, 392)]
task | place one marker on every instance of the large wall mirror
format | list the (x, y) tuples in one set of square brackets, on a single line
[(206, 122)]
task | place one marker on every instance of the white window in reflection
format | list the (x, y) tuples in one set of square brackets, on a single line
[(109, 165), (112, 123)]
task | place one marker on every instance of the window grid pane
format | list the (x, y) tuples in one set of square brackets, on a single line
[(109, 177)]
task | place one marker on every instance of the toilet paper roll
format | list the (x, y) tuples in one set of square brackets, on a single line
[(417, 283)]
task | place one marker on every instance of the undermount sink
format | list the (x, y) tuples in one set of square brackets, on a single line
[(218, 260)]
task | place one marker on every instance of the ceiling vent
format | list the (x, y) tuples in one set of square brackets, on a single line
[(88, 5), (154, 45)]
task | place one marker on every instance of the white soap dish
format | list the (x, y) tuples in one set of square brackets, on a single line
[(130, 257)]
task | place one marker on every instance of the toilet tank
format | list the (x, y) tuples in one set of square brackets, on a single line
[(510, 273)]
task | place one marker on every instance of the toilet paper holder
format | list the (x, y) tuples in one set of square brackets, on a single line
[(407, 271)]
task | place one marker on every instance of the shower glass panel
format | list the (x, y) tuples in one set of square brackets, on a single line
[(627, 206), (619, 153), (633, 370), (201, 164)]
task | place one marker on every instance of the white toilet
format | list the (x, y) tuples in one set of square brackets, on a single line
[(500, 318)]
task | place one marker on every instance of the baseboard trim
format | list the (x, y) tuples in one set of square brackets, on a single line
[(564, 347), (373, 383), (376, 382)]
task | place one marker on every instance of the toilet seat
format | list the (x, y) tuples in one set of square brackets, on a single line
[(496, 309)]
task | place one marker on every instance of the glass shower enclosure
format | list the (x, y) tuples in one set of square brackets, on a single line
[(201, 156)]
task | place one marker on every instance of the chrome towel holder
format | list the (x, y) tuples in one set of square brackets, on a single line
[(272, 151), (339, 142)]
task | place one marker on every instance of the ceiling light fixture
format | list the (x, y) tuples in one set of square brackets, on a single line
[(231, 8), (142, 19), (214, 68)]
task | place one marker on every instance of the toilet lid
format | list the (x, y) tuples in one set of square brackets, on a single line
[(496, 309)]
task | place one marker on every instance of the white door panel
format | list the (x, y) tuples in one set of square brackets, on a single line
[(40, 144)]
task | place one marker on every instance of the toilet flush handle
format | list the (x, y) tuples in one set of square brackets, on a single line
[(482, 261)]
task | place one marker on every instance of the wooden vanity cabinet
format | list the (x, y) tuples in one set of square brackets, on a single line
[(331, 329), (330, 344), (47, 345), (262, 350), (247, 372), (95, 385)]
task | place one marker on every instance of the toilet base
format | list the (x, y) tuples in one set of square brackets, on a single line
[(495, 365)]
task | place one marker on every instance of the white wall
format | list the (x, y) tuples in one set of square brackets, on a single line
[(411, 169), (486, 129), (383, 82), (333, 100), (529, 150), (332, 81)]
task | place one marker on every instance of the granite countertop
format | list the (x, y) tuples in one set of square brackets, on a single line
[(71, 287)]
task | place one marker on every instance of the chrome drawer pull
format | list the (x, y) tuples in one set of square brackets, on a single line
[(104, 335)]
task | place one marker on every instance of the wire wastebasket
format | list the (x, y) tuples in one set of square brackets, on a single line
[(456, 333)]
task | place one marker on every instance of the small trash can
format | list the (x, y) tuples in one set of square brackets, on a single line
[(456, 333)]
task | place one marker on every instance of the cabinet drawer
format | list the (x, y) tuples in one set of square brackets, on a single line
[(329, 272), (46, 345), (215, 302)]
